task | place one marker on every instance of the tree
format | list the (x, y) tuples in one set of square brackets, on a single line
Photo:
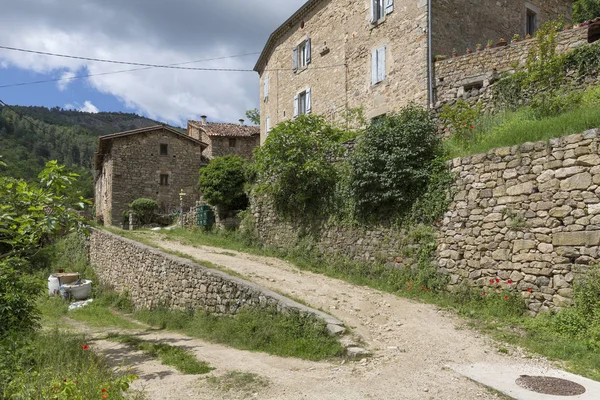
[(254, 116), (585, 10), (222, 182)]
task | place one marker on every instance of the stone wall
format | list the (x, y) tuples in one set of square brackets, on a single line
[(462, 24), (471, 76), (529, 214), (339, 75), (153, 278)]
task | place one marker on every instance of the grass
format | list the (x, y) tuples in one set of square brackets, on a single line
[(55, 364), (290, 335), (501, 319), (181, 359), (513, 128), (238, 381)]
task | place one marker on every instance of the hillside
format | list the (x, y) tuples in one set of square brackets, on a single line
[(55, 134)]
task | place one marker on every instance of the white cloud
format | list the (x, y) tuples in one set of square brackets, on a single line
[(86, 107), (67, 76), (153, 32)]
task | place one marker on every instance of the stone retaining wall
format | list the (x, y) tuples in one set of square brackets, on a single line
[(471, 77), (529, 214), (154, 278)]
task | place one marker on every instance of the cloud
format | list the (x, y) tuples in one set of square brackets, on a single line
[(86, 107), (68, 78), (154, 32)]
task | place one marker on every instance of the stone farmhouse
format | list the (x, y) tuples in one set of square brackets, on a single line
[(335, 55), (225, 139), (155, 162)]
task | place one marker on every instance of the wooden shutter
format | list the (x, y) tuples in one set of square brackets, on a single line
[(374, 67), (295, 59), (380, 64), (307, 50), (308, 101), (296, 106), (268, 125), (389, 6), (266, 88), (374, 16)]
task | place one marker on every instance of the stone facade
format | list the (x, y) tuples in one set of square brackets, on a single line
[(462, 24), (528, 213), (156, 279), (343, 41), (339, 75), (471, 77), (155, 163), (225, 139)]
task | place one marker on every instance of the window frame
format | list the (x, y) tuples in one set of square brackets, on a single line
[(232, 143), (530, 21), (378, 65), (303, 103), (164, 180), (301, 54), (165, 147)]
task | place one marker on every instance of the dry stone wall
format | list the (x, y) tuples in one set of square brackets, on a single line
[(153, 278), (528, 215)]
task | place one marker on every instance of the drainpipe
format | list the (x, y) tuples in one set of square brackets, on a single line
[(429, 56)]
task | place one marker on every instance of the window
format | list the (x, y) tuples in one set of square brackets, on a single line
[(232, 142), (266, 88), (380, 8), (531, 22), (164, 149), (302, 103), (378, 120), (164, 179), (301, 55), (378, 65)]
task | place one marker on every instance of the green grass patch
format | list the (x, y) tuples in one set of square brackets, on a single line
[(55, 364), (181, 359), (99, 315), (513, 128), (290, 335), (238, 381)]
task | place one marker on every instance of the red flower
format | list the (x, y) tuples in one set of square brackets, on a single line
[(482, 294), (497, 280), (104, 390), (472, 126), (505, 297), (529, 290), (422, 287), (85, 347), (509, 281), (105, 396), (491, 281)]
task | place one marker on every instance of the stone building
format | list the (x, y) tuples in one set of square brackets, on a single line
[(335, 55), (155, 162), (225, 139)]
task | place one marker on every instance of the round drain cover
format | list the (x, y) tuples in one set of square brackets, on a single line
[(549, 385)]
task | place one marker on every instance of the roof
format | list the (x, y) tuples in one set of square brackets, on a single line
[(226, 130), (103, 140), (296, 17)]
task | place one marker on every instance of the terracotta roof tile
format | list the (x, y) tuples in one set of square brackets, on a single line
[(227, 130)]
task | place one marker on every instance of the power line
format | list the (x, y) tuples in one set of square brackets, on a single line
[(172, 66)]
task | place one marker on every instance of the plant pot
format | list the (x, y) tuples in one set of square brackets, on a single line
[(501, 43)]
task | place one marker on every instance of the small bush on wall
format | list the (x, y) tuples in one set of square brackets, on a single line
[(143, 209), (294, 165), (390, 167), (222, 182)]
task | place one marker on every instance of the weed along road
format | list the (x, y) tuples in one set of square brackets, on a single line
[(411, 344)]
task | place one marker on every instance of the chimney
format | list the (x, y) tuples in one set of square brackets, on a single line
[(241, 122), (203, 120)]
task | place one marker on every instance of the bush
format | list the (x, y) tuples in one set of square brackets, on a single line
[(18, 295), (222, 182), (585, 10), (390, 166), (294, 167), (143, 209)]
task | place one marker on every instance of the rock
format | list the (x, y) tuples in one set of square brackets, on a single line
[(566, 172), (561, 301), (519, 245), (577, 182), (357, 353), (560, 212), (585, 238), (523, 188), (545, 248), (589, 160)]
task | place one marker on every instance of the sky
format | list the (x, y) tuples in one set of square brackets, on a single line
[(143, 31)]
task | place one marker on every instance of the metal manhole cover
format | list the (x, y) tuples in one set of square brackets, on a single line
[(549, 385)]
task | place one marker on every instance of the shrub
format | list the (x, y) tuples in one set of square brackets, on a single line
[(390, 163), (222, 182), (143, 209), (461, 116), (294, 165), (585, 10)]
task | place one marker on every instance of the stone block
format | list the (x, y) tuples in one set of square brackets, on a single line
[(560, 212), (519, 245), (589, 160), (567, 172), (584, 238), (577, 182), (493, 217), (523, 188), (501, 255)]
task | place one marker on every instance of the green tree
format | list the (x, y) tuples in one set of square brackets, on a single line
[(585, 10), (390, 166), (254, 116), (294, 167), (222, 182)]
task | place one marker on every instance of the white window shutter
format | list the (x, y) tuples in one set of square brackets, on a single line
[(374, 16), (296, 106), (308, 101), (374, 67), (380, 64), (308, 54), (295, 59), (268, 125), (266, 88), (389, 6)]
